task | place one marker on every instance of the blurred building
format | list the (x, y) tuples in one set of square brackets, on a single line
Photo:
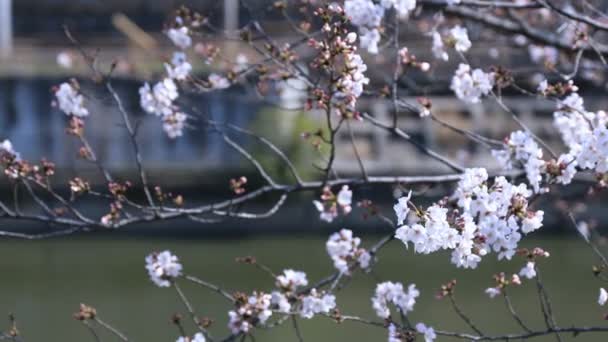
[(32, 37)]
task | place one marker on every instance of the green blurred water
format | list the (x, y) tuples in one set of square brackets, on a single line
[(43, 282)]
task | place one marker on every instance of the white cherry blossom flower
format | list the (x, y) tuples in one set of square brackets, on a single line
[(403, 7), (163, 267), (290, 280), (180, 37), (280, 302), (438, 47), (460, 38), (369, 39), (255, 311), (522, 149), (402, 208), (218, 81), (603, 297), (532, 222), (364, 12), (427, 332), (174, 123), (393, 293), (470, 85), (316, 303), (7, 147), (393, 334), (159, 100), (180, 68), (70, 101), (528, 271), (493, 291), (345, 198), (343, 248)]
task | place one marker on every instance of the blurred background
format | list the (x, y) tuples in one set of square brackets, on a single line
[(44, 281)]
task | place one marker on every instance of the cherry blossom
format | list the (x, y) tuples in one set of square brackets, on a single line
[(393, 293), (470, 85), (584, 133), (394, 335), (290, 280), (460, 39), (180, 68), (528, 271), (250, 311), (345, 198), (403, 7), (491, 217), (159, 100), (427, 332), (7, 147), (344, 250), (402, 208), (218, 81), (493, 291), (521, 147), (70, 101), (438, 47), (603, 297), (352, 80), (364, 12), (174, 123), (532, 221), (316, 303), (330, 204), (369, 39), (367, 16), (180, 37), (280, 302), (163, 267)]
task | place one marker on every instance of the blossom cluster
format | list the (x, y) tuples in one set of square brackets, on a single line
[(471, 85), (585, 133), (179, 68), (456, 37), (288, 283), (393, 293), (427, 332), (330, 204), (250, 311), (180, 36), (288, 300), (343, 248), (486, 218), (70, 101), (521, 147), (351, 82), (367, 16), (11, 161), (163, 267), (317, 303), (6, 147), (160, 99)]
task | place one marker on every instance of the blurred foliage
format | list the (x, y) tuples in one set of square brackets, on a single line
[(287, 136)]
